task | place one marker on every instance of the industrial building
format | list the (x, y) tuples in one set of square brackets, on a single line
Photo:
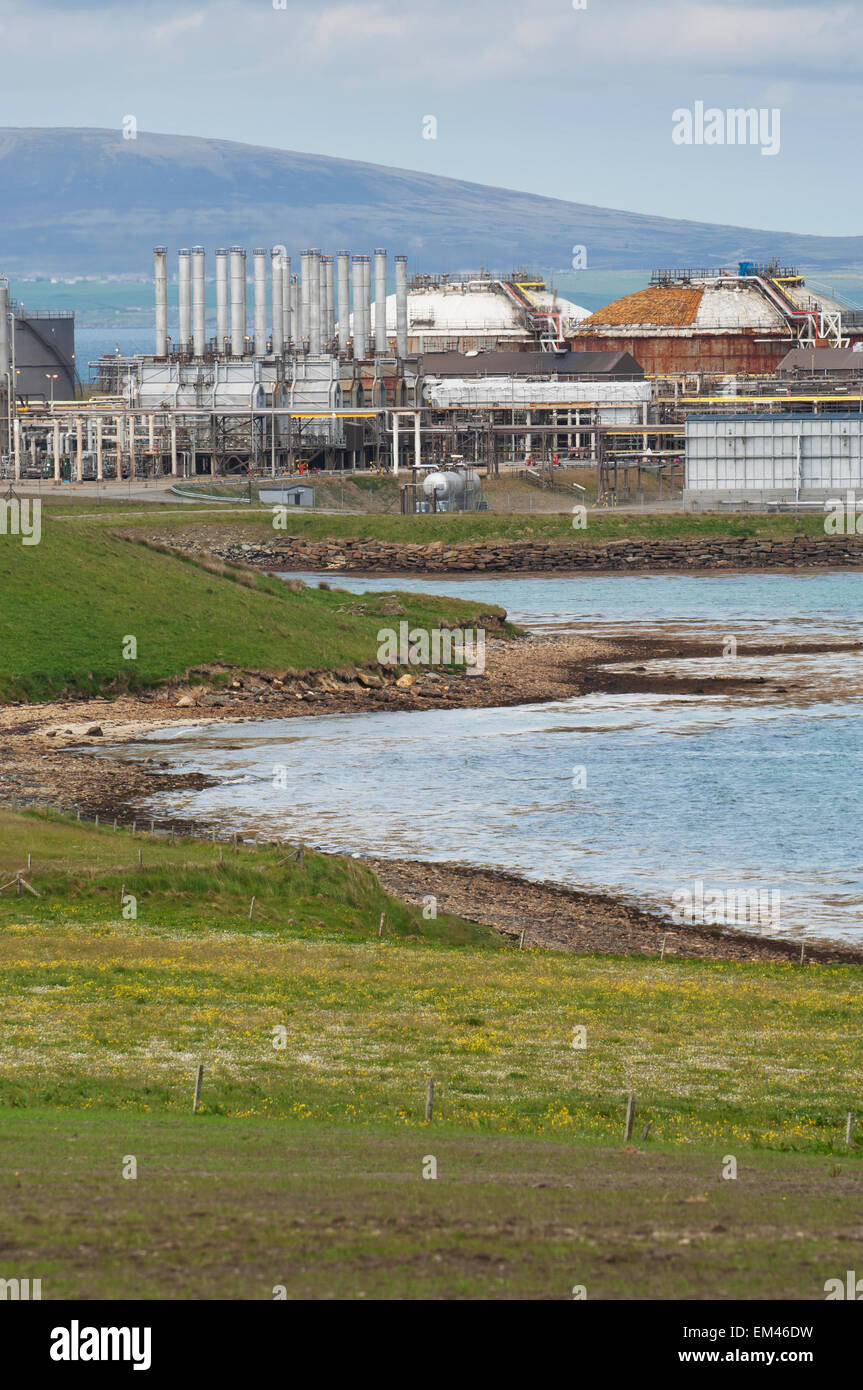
[(715, 322), (778, 457), (37, 359), (481, 313)]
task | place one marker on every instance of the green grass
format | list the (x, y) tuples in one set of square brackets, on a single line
[(304, 1168), (108, 1013), (240, 1209), (70, 603), (484, 526)]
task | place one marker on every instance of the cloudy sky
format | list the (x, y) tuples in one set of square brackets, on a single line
[(572, 98)]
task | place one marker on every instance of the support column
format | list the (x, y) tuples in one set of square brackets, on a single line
[(118, 421), (17, 436), (56, 451), (174, 459), (395, 442), (417, 445), (131, 446), (79, 450), (100, 470)]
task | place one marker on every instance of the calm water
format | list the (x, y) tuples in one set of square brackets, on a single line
[(758, 791)]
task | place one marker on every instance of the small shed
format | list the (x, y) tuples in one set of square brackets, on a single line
[(288, 495)]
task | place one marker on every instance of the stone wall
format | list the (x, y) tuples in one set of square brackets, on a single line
[(370, 556)]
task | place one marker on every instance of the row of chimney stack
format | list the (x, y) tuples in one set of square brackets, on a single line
[(305, 314)]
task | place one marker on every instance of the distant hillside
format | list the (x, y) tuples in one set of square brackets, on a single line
[(90, 202)]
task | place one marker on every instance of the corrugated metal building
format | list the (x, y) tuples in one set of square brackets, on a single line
[(762, 458)]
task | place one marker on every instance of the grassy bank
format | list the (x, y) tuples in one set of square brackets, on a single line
[(71, 602), (308, 1165), (483, 526), (107, 1012)]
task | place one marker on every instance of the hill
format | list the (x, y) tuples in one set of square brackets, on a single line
[(86, 201)]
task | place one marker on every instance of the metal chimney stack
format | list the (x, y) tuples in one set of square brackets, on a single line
[(199, 309), (5, 336), (359, 335), (296, 336), (184, 270), (380, 302), (304, 298), (160, 278), (278, 304), (287, 303), (401, 306), (314, 297), (343, 261), (238, 301), (329, 302), (260, 291), (222, 301), (367, 304)]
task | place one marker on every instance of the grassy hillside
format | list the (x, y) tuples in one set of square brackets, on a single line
[(70, 603), (305, 1166), (111, 1012)]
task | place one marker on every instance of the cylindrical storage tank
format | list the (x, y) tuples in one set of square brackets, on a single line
[(380, 302), (199, 311), (401, 306), (238, 301), (222, 301), (343, 261), (160, 279), (184, 291), (451, 487), (314, 299), (287, 303), (278, 303), (304, 298), (260, 300)]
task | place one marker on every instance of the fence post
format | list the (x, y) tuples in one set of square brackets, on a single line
[(630, 1116), (198, 1082)]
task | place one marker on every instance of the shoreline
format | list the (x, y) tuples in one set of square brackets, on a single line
[(43, 764)]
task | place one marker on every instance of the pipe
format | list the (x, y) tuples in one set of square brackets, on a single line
[(314, 303), (380, 302), (222, 301), (260, 270), (199, 312), (343, 260), (287, 303), (185, 286), (278, 304), (401, 306), (238, 301), (160, 278)]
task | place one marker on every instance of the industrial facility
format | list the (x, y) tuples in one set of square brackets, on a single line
[(700, 379), (715, 322)]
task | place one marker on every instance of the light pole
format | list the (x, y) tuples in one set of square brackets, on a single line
[(52, 377)]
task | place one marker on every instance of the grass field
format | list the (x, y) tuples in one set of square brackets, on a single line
[(485, 526), (70, 603), (305, 1166)]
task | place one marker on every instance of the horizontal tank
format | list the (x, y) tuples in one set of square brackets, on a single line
[(448, 487)]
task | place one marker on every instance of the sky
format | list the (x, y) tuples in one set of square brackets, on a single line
[(570, 98)]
